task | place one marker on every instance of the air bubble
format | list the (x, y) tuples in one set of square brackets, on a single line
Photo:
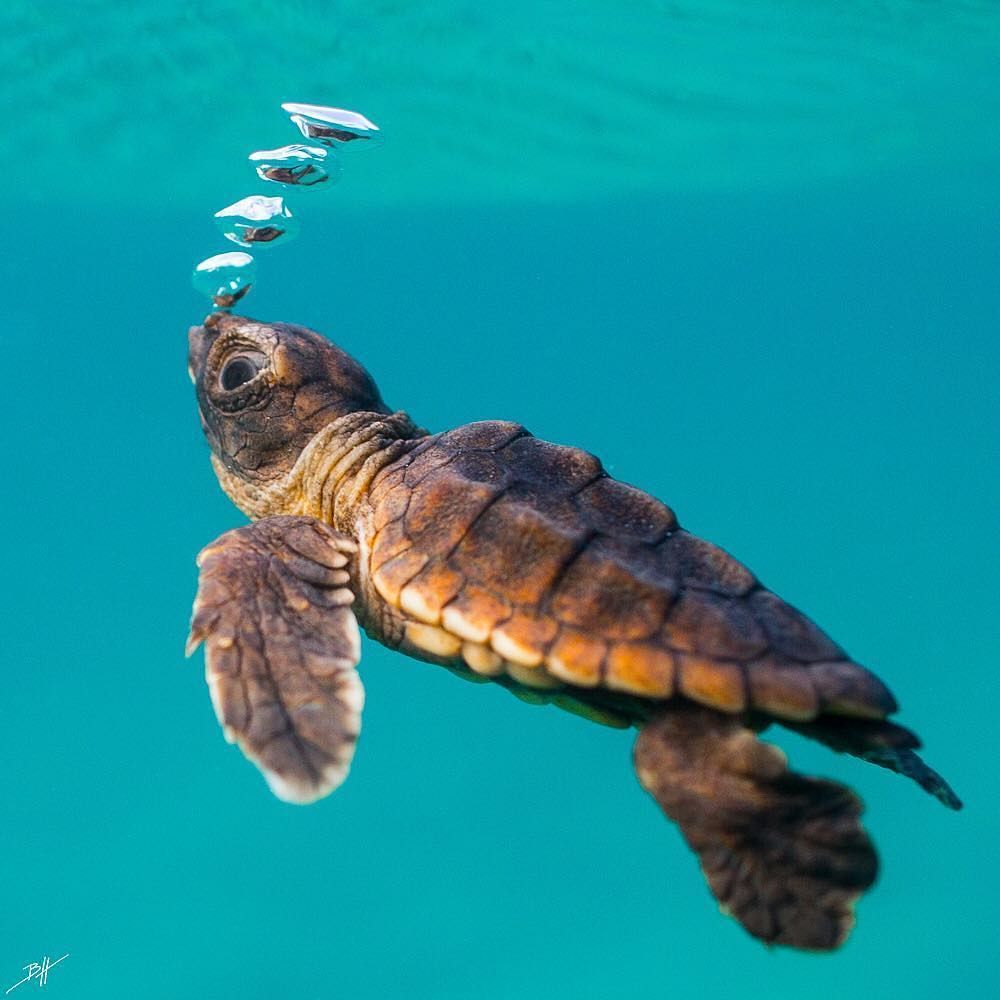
[(257, 220), (296, 166), (225, 278), (331, 125)]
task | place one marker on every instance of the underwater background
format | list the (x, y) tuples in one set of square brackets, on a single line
[(747, 253)]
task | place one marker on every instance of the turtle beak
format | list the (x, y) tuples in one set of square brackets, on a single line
[(197, 349), (200, 340)]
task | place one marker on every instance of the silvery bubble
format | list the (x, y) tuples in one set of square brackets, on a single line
[(331, 125), (298, 166), (257, 220), (225, 278)]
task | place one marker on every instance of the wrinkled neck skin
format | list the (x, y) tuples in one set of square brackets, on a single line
[(332, 474)]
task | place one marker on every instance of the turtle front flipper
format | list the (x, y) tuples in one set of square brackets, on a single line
[(784, 854), (281, 645)]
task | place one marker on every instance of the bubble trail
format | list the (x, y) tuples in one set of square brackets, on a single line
[(331, 125), (225, 278), (257, 220), (296, 166), (260, 220)]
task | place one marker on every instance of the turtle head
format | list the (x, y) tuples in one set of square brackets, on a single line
[(264, 391)]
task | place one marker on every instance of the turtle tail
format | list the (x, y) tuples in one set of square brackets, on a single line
[(880, 742)]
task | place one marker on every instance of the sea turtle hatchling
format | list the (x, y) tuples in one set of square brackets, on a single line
[(511, 559)]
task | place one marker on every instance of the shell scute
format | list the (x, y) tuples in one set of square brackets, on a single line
[(390, 542), (845, 688), (697, 563), (524, 637), (396, 573), (703, 622), (443, 508), (640, 668), (790, 632), (782, 689), (600, 594), (617, 509), (488, 435), (560, 469), (716, 683), (385, 482), (429, 591), (577, 657), (433, 640), (474, 613), (479, 467), (557, 508), (515, 551), (421, 465), (392, 506)]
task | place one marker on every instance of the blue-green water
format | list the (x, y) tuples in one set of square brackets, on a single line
[(802, 362)]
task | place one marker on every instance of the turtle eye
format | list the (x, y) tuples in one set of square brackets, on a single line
[(240, 370)]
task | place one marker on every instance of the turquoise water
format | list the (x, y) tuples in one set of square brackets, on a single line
[(801, 357)]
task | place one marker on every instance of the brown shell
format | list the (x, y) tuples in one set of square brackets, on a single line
[(525, 558)]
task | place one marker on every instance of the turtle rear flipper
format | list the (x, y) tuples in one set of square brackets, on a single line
[(783, 853), (281, 645)]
